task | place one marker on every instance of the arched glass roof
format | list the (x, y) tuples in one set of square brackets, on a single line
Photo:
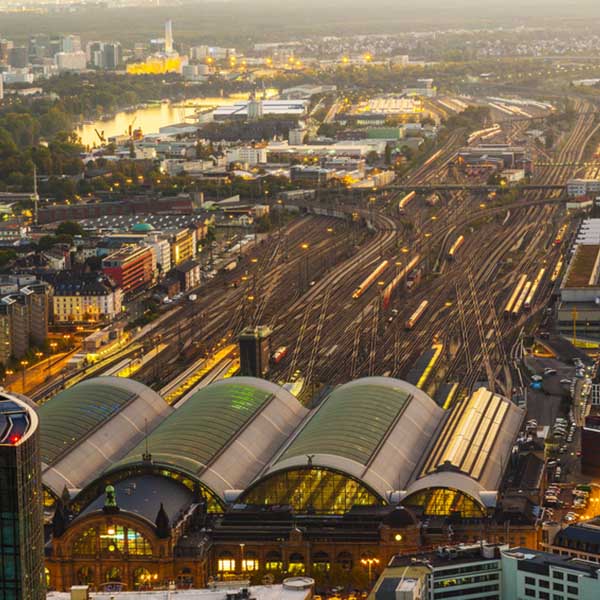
[(224, 434), (374, 429), (88, 426)]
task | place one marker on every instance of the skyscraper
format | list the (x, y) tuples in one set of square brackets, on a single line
[(169, 37), (21, 519)]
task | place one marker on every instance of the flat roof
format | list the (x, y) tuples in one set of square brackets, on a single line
[(260, 592), (581, 268)]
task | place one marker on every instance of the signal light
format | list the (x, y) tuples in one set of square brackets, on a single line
[(13, 439)]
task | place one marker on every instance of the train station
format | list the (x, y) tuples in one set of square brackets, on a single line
[(242, 479)]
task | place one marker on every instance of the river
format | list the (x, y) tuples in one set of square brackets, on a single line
[(151, 118)]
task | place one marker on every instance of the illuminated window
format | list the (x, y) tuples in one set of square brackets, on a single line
[(226, 563), (445, 502), (113, 539), (273, 561), (296, 564), (312, 490), (321, 562), (250, 564)]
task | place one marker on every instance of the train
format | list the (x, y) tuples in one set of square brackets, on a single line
[(556, 273), (370, 280), (533, 289), (414, 318), (521, 300), (515, 295), (560, 236), (433, 157), (392, 285), (405, 200), (460, 240), (483, 134), (279, 354)]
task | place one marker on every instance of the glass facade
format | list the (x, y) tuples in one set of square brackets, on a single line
[(312, 490), (112, 539), (444, 502), (22, 575)]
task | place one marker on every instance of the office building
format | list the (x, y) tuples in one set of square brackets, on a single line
[(70, 43), (482, 571), (169, 37), (255, 351), (131, 268), (21, 520), (18, 57), (183, 245), (112, 55), (71, 61), (533, 574)]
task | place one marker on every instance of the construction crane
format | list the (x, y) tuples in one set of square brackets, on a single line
[(130, 128), (100, 135)]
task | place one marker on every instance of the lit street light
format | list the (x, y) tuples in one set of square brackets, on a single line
[(369, 562)]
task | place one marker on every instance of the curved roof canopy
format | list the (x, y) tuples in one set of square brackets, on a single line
[(374, 429), (87, 427), (142, 227), (473, 448), (224, 434)]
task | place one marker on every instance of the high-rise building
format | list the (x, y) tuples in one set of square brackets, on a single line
[(21, 517), (169, 37), (255, 351), (113, 55), (18, 57), (71, 43)]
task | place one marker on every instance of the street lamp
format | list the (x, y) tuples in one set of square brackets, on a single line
[(24, 364), (242, 553), (369, 562)]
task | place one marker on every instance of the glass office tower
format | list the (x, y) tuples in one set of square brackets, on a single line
[(21, 517)]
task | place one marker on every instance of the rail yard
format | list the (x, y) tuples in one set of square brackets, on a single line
[(367, 285)]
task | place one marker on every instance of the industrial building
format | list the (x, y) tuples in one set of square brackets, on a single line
[(578, 311), (241, 478), (268, 108)]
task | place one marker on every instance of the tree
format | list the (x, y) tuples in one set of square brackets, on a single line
[(70, 228)]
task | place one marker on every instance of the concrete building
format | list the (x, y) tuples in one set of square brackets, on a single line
[(582, 187), (88, 298), (184, 245), (534, 574), (252, 155), (131, 268), (24, 319), (484, 571), (579, 307), (71, 61), (188, 272)]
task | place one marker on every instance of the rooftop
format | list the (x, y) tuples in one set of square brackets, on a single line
[(111, 413), (582, 270), (375, 429), (17, 420), (271, 592)]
